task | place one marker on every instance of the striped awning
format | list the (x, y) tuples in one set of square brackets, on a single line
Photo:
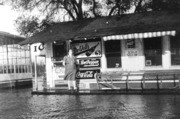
[(140, 35)]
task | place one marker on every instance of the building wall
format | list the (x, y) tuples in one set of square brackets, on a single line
[(49, 65), (133, 59), (134, 62), (166, 54)]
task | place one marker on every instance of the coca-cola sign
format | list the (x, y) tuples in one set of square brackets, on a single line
[(86, 74), (89, 63)]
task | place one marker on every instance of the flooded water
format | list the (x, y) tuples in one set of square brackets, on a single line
[(20, 104)]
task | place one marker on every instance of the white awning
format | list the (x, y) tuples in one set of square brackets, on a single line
[(140, 35)]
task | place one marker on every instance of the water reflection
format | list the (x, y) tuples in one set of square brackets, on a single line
[(20, 104)]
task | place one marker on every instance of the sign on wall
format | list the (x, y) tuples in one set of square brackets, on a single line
[(131, 53), (87, 49), (130, 43), (87, 74), (89, 63), (59, 72), (38, 49)]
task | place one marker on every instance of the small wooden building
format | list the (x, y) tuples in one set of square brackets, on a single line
[(128, 43)]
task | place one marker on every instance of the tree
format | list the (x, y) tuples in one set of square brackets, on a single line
[(74, 8), (52, 10), (57, 10), (157, 5), (119, 6)]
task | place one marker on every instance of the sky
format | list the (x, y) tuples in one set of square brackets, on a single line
[(7, 19)]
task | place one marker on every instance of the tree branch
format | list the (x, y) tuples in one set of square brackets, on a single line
[(94, 7), (46, 7), (138, 7), (70, 13), (80, 15), (74, 3), (113, 8)]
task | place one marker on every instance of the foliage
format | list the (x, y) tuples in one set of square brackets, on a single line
[(157, 5), (44, 12), (52, 10), (27, 25), (120, 6)]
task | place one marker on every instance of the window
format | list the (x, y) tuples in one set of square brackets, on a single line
[(175, 50), (1, 69), (153, 51), (12, 57), (113, 53), (59, 50)]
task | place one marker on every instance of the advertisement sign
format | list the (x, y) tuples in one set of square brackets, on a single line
[(132, 53), (87, 49), (58, 71), (38, 49), (131, 43), (86, 74), (89, 63)]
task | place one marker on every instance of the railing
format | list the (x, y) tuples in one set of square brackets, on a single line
[(142, 81)]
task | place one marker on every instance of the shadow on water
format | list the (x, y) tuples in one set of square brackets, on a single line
[(20, 104)]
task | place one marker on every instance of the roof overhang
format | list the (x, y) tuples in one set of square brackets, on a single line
[(138, 25), (140, 35)]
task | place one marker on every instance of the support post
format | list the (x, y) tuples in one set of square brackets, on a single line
[(166, 57), (35, 72)]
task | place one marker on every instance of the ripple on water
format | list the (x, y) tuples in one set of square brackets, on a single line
[(20, 104)]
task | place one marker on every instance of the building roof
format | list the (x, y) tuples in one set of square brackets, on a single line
[(106, 26), (7, 38), (131, 23), (58, 31)]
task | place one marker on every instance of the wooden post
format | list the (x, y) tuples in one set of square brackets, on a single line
[(157, 82), (35, 72), (174, 77), (127, 82), (142, 83)]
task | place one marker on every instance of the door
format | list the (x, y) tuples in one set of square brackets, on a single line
[(59, 51), (39, 73)]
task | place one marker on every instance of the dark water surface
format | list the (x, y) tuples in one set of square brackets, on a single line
[(20, 104)]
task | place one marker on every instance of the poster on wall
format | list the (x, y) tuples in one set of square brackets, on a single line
[(87, 49), (89, 63), (132, 53), (87, 74), (130, 43), (38, 49), (59, 71)]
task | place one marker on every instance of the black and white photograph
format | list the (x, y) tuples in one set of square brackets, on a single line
[(90, 59)]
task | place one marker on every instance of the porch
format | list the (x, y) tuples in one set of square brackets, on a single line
[(143, 82)]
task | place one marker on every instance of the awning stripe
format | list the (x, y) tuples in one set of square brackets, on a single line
[(140, 35)]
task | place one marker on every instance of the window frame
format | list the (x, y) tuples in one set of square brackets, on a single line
[(114, 52)]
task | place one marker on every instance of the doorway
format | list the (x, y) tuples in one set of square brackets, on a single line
[(153, 51)]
